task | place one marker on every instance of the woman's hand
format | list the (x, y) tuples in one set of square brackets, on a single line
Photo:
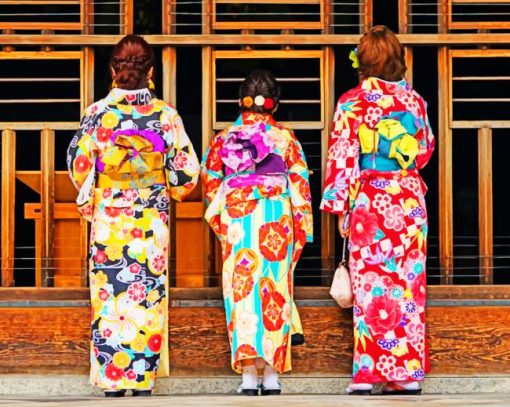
[(344, 227)]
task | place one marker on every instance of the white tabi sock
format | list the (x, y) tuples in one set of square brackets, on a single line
[(250, 377), (270, 379)]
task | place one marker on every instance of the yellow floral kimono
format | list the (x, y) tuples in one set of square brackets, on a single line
[(129, 156)]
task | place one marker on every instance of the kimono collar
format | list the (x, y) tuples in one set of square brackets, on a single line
[(247, 118), (377, 84), (137, 97)]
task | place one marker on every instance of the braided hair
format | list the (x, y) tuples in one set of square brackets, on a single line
[(131, 60)]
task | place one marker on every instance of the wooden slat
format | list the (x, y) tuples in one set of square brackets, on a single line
[(276, 25), (409, 64), (48, 340), (291, 125), (478, 124), (480, 53), (8, 206), (47, 203), (41, 26), (445, 168), (22, 55), (485, 222), (479, 1), (479, 25), (61, 211), (16, 126)]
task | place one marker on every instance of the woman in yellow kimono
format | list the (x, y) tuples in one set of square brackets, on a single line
[(130, 155), (259, 205)]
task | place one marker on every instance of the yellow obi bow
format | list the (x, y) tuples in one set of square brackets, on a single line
[(389, 138), (131, 154)]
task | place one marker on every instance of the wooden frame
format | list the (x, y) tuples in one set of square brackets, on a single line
[(55, 26), (269, 54), (476, 25), (267, 25), (46, 184)]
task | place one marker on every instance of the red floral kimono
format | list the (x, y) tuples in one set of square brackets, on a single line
[(381, 137)]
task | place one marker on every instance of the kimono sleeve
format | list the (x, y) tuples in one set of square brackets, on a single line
[(342, 168), (426, 140), (300, 197), (181, 162), (212, 178), (81, 153)]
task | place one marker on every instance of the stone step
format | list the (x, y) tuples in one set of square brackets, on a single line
[(78, 386)]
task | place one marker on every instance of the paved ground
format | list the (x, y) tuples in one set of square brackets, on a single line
[(471, 400)]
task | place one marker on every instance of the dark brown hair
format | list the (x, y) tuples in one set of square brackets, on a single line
[(131, 59), (260, 82), (381, 55)]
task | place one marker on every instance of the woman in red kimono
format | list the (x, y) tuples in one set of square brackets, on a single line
[(381, 138)]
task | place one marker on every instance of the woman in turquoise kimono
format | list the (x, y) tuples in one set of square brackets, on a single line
[(259, 206), (130, 155)]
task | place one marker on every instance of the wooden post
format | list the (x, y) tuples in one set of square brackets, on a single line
[(443, 15), (211, 263), (47, 203), (366, 19), (328, 229), (127, 17), (485, 218), (8, 201), (445, 168)]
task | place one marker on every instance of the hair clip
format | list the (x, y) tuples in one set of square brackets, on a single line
[(260, 100), (247, 102), (353, 56), (268, 103)]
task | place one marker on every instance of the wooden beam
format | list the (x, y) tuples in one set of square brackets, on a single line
[(199, 343), (47, 204), (485, 210), (238, 39), (8, 206), (453, 292), (366, 10), (445, 168), (478, 124)]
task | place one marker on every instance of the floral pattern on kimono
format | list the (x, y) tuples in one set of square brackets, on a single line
[(259, 205), (135, 148), (380, 139)]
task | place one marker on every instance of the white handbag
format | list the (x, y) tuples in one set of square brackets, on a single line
[(341, 287)]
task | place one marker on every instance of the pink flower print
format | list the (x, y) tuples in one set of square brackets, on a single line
[(373, 115), (363, 227), (180, 161), (340, 149), (136, 292), (383, 315), (394, 218)]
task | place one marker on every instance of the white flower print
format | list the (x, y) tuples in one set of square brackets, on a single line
[(268, 348), (286, 312), (381, 202), (246, 324), (235, 233), (227, 284), (373, 115), (125, 319)]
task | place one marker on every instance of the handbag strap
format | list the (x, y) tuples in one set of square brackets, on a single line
[(344, 251)]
